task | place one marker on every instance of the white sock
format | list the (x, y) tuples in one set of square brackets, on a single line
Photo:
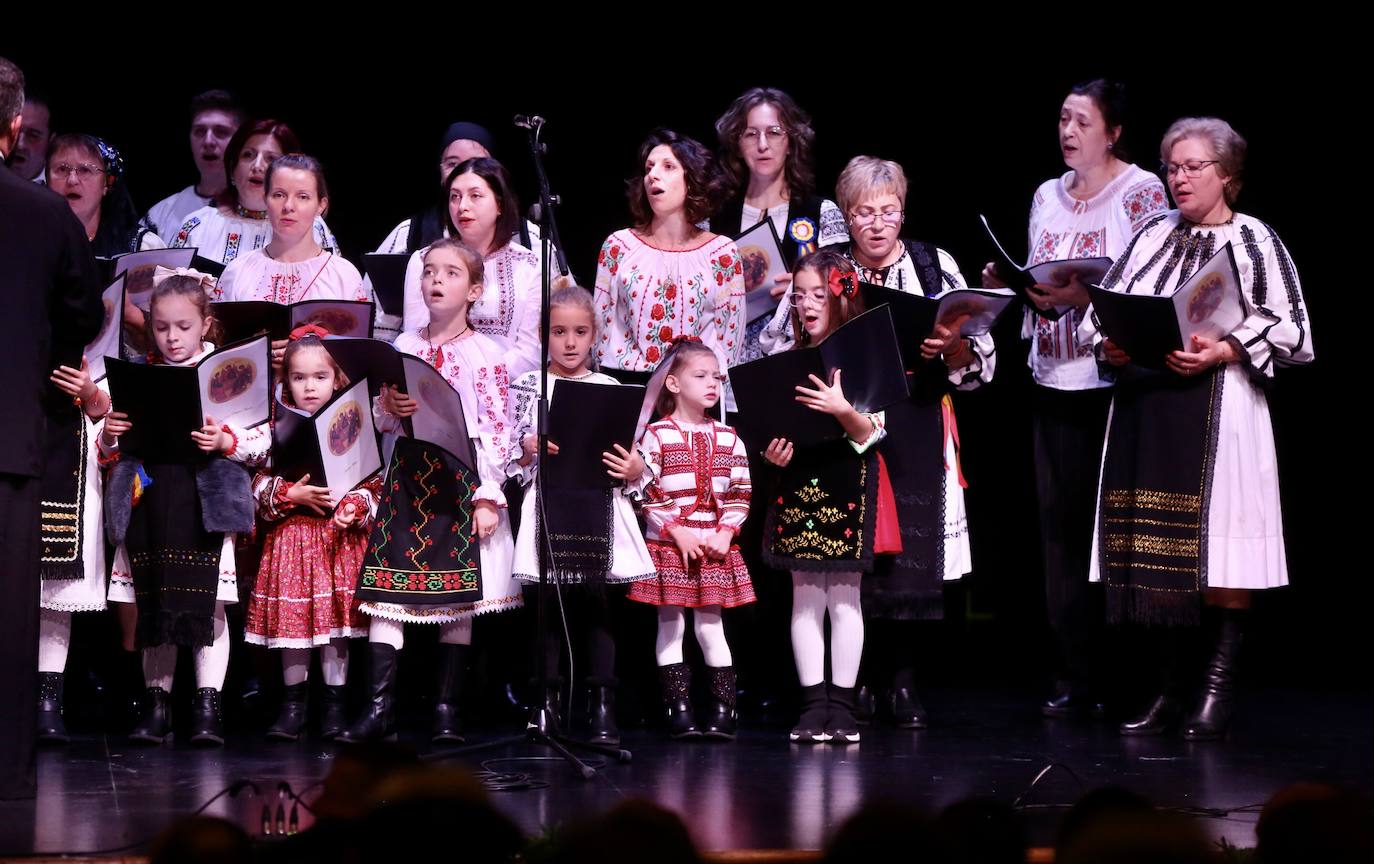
[(846, 628), (160, 666), (387, 632), (54, 637), (672, 627), (334, 662), (710, 630), (295, 666), (456, 632), (212, 661), (808, 626)]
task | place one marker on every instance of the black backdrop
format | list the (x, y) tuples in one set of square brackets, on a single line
[(972, 140)]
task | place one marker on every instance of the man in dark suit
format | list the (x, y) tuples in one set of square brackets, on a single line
[(49, 305)]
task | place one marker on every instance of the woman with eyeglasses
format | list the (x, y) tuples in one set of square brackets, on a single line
[(765, 152), (89, 173), (1091, 211), (1189, 522), (920, 452)]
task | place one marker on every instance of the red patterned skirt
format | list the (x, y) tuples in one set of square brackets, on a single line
[(303, 595), (707, 583)]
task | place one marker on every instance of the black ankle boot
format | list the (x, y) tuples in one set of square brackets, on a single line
[(1166, 709), (51, 729), (721, 719), (1212, 716), (333, 716), (207, 723), (546, 712), (452, 671), (865, 705), (676, 680), (601, 726), (291, 719), (377, 722), (840, 722), (907, 710), (155, 727), (810, 728)]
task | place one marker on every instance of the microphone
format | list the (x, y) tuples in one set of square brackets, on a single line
[(532, 122)]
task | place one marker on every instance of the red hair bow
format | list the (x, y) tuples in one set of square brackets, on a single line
[(308, 330), (842, 284), (679, 339)]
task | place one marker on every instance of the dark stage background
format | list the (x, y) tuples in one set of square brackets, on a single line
[(971, 141)]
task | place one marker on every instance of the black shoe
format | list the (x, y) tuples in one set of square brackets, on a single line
[(51, 729), (207, 723), (1162, 714), (155, 727), (840, 722), (546, 714), (601, 726), (810, 728), (452, 671), (676, 680), (907, 711), (1072, 700), (721, 720), (865, 706), (333, 715), (377, 723), (291, 719), (1212, 717)]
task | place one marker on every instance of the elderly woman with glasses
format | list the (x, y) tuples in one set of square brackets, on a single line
[(920, 452), (1188, 503)]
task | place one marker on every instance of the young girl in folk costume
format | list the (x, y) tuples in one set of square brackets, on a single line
[(617, 555), (437, 515), (174, 533), (311, 558), (696, 499), (73, 557), (834, 511)]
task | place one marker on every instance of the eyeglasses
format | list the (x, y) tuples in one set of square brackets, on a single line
[(449, 164), (84, 171), (891, 217), (773, 134), (1191, 170), (797, 298)]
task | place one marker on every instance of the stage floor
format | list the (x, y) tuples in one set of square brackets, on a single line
[(760, 792)]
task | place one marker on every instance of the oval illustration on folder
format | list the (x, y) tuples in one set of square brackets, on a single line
[(755, 263), (1206, 298), (231, 379), (339, 322), (345, 428)]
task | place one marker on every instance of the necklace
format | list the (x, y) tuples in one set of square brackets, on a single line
[(245, 213)]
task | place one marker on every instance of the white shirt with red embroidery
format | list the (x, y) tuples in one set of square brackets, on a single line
[(222, 236), (1063, 227), (676, 454), (645, 296), (507, 311), (257, 276)]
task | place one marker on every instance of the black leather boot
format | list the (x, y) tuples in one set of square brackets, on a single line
[(333, 714), (291, 718), (721, 720), (452, 671), (1166, 709), (601, 725), (840, 722), (815, 713), (676, 680), (155, 727), (377, 722), (907, 711), (207, 723), (865, 705), (51, 729), (1212, 716)]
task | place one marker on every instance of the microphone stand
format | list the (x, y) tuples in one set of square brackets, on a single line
[(541, 728)]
